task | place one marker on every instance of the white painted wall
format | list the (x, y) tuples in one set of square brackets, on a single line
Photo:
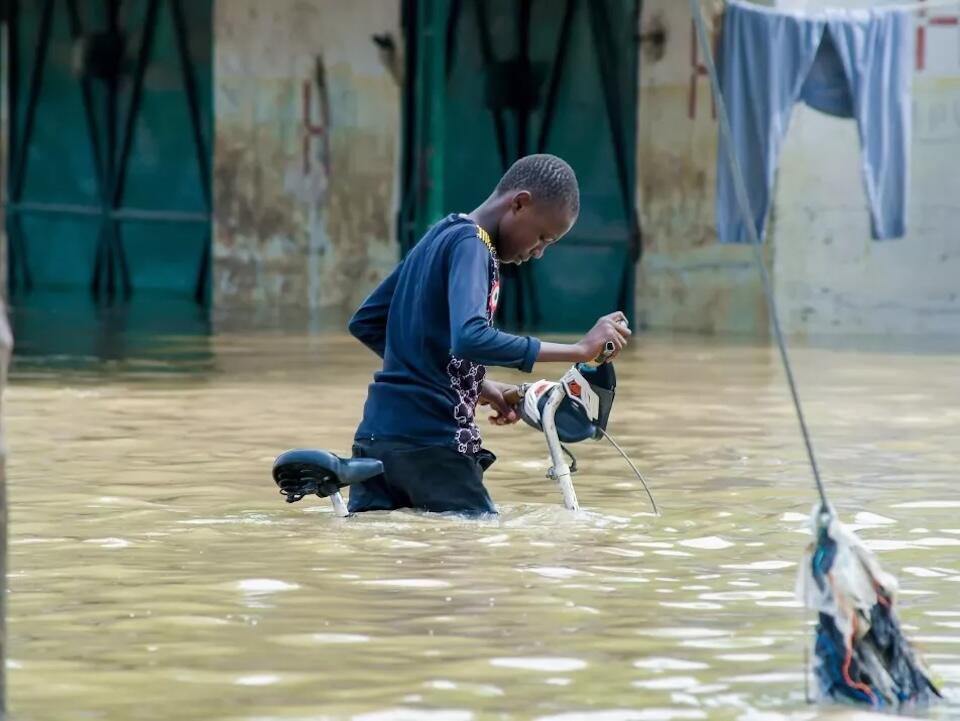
[(829, 276)]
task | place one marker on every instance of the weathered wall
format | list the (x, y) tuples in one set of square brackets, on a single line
[(686, 280), (307, 123), (829, 276)]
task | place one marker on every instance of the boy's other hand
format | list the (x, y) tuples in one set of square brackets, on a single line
[(492, 394), (612, 328)]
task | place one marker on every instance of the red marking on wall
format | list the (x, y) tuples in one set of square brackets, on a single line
[(925, 22), (312, 129), (699, 70)]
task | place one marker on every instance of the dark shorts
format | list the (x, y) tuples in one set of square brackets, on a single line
[(426, 478)]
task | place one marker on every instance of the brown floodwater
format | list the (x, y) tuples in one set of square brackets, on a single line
[(155, 572)]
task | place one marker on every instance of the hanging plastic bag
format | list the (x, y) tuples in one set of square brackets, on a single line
[(860, 652)]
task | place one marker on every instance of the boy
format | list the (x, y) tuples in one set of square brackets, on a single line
[(431, 322)]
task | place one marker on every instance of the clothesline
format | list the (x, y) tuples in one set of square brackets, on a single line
[(916, 6), (919, 6)]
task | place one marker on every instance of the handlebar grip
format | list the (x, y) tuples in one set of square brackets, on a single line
[(608, 350)]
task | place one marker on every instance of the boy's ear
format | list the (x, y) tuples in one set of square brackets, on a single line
[(520, 200)]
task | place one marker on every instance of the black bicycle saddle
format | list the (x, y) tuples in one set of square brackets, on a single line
[(303, 472)]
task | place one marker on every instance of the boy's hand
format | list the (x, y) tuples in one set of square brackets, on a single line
[(491, 394), (613, 328)]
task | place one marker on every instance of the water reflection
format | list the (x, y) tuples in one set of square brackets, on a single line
[(148, 334)]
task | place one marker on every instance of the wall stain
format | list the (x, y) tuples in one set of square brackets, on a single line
[(304, 177)]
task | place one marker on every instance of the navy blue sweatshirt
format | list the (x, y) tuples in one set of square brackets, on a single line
[(431, 322)]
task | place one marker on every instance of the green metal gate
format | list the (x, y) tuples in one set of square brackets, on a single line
[(110, 128), (492, 80)]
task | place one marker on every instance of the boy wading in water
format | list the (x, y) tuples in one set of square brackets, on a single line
[(431, 320)]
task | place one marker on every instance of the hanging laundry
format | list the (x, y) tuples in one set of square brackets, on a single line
[(848, 63)]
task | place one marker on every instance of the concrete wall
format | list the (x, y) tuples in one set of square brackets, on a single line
[(686, 280), (307, 126), (829, 276)]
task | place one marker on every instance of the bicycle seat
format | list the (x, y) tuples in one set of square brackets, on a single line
[(303, 471)]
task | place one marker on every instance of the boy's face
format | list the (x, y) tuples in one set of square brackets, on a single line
[(528, 228)]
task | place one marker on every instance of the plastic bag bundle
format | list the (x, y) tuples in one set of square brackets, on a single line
[(860, 652)]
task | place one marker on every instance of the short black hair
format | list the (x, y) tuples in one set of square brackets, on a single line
[(546, 177)]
